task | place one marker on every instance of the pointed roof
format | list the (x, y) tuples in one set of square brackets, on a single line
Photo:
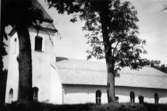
[(47, 21), (46, 16)]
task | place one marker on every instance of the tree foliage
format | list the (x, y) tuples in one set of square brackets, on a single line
[(18, 12), (123, 44), (113, 35), (158, 65)]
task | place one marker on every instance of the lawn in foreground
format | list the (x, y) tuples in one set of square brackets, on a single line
[(35, 106)]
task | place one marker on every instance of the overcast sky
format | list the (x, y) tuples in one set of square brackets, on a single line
[(152, 27)]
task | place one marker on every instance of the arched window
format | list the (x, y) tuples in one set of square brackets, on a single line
[(132, 97), (156, 98), (98, 97), (11, 95), (38, 43), (141, 99), (35, 93), (116, 99)]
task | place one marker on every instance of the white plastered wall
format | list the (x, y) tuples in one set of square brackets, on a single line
[(74, 94), (45, 76), (12, 76)]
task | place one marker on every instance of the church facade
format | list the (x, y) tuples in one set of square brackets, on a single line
[(70, 81), (43, 61), (44, 74), (82, 79)]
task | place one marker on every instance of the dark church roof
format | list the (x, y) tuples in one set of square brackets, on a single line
[(82, 72), (47, 21)]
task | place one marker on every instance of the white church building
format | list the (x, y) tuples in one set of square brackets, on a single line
[(81, 79), (71, 81)]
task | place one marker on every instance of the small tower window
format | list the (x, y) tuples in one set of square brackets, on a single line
[(38, 43)]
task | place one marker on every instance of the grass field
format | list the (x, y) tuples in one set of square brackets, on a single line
[(83, 107)]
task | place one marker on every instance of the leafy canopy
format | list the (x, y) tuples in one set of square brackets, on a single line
[(121, 44), (123, 47), (21, 11)]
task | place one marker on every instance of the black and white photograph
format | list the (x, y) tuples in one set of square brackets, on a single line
[(83, 55)]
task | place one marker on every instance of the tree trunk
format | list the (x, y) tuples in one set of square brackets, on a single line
[(3, 73), (25, 65), (108, 56), (3, 80), (110, 84)]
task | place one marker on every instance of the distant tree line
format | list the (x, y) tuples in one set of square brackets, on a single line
[(158, 65)]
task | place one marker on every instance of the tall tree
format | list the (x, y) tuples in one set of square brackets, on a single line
[(113, 36), (21, 14), (112, 33)]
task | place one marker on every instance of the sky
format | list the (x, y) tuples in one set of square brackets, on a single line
[(71, 43)]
